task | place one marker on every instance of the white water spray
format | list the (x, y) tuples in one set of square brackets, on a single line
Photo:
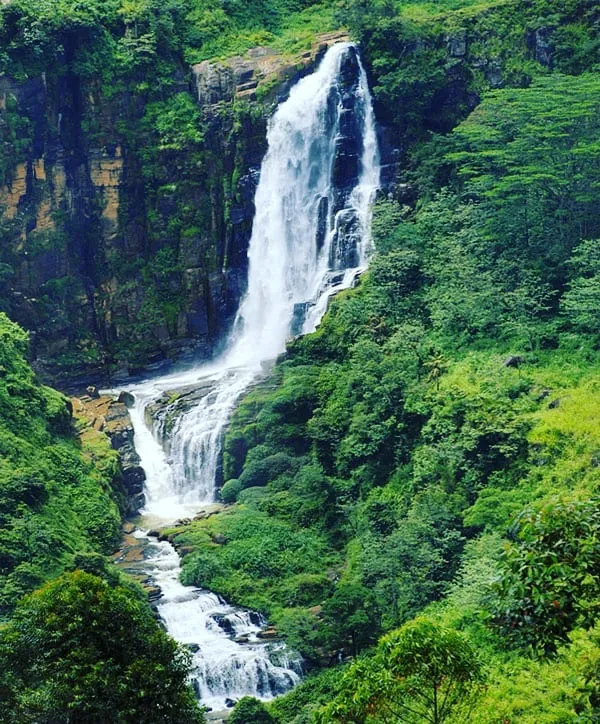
[(310, 238)]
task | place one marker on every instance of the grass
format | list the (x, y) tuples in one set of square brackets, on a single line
[(294, 36)]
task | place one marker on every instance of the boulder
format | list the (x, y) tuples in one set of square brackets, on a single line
[(126, 398), (93, 392)]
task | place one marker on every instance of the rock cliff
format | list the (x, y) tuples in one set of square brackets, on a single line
[(124, 237)]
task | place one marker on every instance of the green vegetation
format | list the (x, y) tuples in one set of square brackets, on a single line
[(81, 649), (85, 646), (432, 447), (58, 494), (250, 711)]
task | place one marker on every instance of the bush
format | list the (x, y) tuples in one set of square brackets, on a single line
[(250, 711), (550, 574), (230, 490)]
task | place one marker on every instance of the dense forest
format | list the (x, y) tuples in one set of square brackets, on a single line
[(412, 493)]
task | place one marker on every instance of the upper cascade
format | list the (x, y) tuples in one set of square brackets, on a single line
[(312, 204)]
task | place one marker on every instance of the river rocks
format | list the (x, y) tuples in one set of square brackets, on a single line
[(154, 593), (269, 634), (126, 398), (224, 623)]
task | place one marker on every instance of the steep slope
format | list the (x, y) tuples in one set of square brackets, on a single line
[(445, 407), (59, 492)]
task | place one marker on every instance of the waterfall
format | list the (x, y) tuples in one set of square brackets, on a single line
[(312, 204), (310, 238)]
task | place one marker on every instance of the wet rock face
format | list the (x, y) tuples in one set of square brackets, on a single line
[(83, 203), (119, 429), (347, 165), (349, 144)]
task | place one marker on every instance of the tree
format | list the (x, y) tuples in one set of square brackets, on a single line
[(582, 300), (249, 710), (79, 649), (550, 574), (351, 617), (420, 673)]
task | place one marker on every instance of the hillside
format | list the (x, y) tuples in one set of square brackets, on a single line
[(411, 491)]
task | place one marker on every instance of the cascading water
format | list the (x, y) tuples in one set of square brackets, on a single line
[(310, 239)]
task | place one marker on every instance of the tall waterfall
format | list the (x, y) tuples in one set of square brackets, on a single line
[(310, 238), (312, 203)]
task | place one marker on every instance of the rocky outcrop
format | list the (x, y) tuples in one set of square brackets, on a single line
[(118, 254), (107, 415), (262, 73)]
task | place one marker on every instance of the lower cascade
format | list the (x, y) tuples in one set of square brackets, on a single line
[(229, 659), (310, 239)]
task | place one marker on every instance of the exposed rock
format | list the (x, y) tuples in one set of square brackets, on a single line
[(554, 404), (224, 623), (514, 360), (87, 189), (269, 633), (126, 398), (154, 593), (230, 703), (543, 49), (112, 417), (457, 44), (261, 69), (494, 74)]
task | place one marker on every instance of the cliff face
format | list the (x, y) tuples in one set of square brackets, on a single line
[(126, 221)]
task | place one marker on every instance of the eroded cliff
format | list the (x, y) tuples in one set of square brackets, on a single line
[(127, 211)]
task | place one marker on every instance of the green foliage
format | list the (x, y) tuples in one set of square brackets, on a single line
[(562, 689), (175, 121), (549, 574), (56, 498), (421, 672), (252, 559), (80, 648), (430, 62), (580, 302), (250, 711), (351, 616)]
